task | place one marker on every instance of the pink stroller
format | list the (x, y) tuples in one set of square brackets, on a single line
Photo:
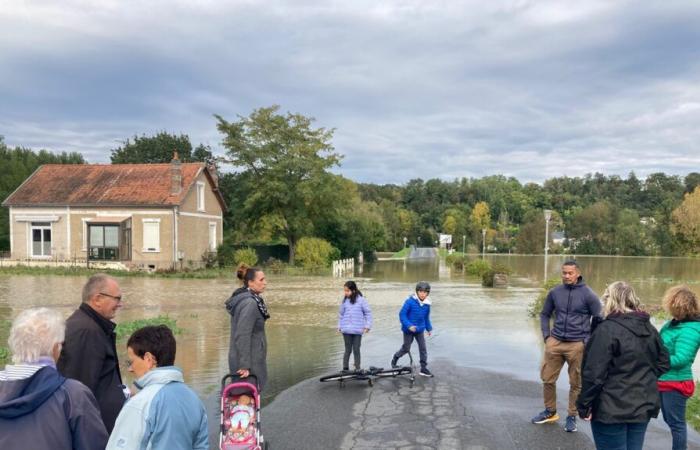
[(240, 415)]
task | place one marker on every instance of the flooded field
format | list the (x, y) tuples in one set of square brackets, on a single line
[(474, 326)]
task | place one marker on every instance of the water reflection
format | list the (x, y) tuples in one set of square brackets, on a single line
[(474, 326)]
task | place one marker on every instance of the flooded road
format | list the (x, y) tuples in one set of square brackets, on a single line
[(474, 326)]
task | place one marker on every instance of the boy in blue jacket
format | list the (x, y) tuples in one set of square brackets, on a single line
[(415, 320)]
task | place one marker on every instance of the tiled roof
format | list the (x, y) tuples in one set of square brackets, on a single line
[(104, 185)]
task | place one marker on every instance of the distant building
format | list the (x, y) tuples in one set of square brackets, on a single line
[(149, 216), (445, 240), (558, 238)]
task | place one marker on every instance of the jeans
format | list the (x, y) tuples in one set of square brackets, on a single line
[(352, 345), (673, 409), (406, 347), (618, 436)]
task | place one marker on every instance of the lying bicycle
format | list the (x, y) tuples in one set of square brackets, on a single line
[(373, 372)]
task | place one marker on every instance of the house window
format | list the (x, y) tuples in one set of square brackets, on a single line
[(151, 235), (41, 239), (200, 196), (212, 236), (104, 242)]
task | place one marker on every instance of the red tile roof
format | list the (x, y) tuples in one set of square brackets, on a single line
[(105, 185)]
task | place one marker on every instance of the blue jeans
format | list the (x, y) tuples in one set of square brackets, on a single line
[(673, 409), (618, 436)]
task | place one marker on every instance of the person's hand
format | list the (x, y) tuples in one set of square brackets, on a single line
[(429, 333), (243, 373), (590, 416), (412, 328), (366, 330), (339, 330)]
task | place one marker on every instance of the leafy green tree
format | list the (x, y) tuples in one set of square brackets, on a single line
[(16, 165), (153, 149), (315, 253), (686, 222), (289, 161), (594, 229)]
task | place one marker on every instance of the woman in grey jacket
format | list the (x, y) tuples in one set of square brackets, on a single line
[(247, 353)]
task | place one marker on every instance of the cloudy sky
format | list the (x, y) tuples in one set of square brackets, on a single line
[(531, 89)]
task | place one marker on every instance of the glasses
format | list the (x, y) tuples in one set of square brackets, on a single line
[(118, 298)]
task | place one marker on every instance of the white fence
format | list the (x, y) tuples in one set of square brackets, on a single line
[(343, 267)]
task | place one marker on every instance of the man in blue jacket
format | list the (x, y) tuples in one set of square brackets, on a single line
[(415, 320), (574, 306), (165, 414)]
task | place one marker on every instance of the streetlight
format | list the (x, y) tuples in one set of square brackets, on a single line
[(483, 243), (464, 244), (404, 241), (547, 218)]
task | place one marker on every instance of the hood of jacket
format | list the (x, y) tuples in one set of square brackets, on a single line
[(238, 295), (424, 302), (21, 397), (580, 282), (160, 375), (636, 322)]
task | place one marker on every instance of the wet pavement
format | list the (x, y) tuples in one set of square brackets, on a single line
[(461, 408)]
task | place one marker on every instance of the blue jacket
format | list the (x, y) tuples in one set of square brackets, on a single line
[(415, 313), (165, 414), (573, 307), (354, 318)]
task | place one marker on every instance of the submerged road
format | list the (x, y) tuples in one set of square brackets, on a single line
[(461, 408), (422, 253)]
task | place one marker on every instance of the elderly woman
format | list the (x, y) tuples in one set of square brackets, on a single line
[(622, 363), (247, 353), (38, 407), (681, 336)]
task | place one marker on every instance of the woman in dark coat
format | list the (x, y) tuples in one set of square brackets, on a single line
[(247, 353), (621, 365)]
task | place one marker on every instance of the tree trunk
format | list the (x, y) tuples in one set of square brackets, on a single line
[(292, 242)]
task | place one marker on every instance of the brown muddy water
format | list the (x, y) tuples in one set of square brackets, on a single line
[(474, 326)]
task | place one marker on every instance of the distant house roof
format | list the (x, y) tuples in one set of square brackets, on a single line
[(107, 185)]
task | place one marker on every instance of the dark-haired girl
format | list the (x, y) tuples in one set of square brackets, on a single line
[(354, 319), (247, 352)]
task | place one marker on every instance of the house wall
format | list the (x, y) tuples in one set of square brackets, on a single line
[(61, 236), (193, 225)]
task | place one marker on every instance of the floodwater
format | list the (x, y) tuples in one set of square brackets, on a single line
[(474, 326)]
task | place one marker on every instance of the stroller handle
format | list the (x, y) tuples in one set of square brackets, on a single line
[(235, 376)]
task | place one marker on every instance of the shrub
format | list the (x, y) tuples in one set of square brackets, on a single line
[(487, 277), (274, 265), (313, 253), (225, 253), (456, 261), (534, 308), (246, 256), (4, 355), (478, 267)]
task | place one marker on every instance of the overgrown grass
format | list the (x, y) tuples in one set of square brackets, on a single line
[(535, 307), (692, 412), (125, 329), (4, 355), (403, 253)]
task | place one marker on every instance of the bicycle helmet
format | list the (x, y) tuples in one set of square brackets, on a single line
[(423, 286)]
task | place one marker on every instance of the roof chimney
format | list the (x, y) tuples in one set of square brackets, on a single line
[(175, 175)]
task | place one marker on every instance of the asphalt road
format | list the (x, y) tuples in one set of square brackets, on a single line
[(461, 408), (422, 252)]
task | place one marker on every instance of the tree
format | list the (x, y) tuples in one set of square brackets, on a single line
[(685, 222), (154, 149), (289, 161)]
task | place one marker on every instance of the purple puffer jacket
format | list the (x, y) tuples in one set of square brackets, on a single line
[(354, 318)]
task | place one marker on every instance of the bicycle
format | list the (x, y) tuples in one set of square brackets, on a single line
[(373, 372)]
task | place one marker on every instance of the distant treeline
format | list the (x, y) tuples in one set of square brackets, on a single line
[(280, 194)]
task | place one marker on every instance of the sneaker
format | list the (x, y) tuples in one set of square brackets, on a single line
[(394, 362), (425, 372), (570, 424), (545, 416)]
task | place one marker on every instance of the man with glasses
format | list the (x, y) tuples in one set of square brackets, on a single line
[(89, 353)]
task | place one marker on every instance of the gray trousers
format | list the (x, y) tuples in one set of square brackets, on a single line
[(352, 345), (406, 347)]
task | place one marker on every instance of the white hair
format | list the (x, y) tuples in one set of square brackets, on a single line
[(34, 333)]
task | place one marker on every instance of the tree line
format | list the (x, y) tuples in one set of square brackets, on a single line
[(276, 176)]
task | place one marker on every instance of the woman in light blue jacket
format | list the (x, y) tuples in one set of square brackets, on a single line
[(354, 319)]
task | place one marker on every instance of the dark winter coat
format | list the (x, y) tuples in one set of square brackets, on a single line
[(573, 306), (47, 411), (89, 355), (621, 365), (248, 344)]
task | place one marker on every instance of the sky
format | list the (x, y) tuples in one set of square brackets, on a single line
[(413, 89)]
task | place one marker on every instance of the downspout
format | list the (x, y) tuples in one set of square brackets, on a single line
[(175, 243), (12, 237)]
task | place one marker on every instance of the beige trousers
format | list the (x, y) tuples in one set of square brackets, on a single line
[(556, 353)]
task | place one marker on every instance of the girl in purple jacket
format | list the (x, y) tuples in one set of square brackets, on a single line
[(354, 319)]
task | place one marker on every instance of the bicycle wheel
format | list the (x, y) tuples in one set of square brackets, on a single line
[(340, 376), (405, 370)]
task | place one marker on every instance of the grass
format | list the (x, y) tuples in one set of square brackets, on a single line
[(401, 253), (535, 307), (125, 329)]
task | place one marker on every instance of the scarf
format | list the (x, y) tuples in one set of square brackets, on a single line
[(262, 307)]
